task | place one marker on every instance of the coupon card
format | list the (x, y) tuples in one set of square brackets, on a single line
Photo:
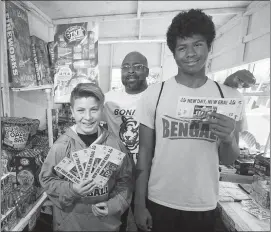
[(67, 168), (109, 164), (96, 154), (100, 153), (81, 159), (198, 108)]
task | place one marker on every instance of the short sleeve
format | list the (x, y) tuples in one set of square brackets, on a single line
[(146, 106)]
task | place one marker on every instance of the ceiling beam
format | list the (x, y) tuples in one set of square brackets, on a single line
[(147, 15), (255, 6), (145, 39), (139, 4), (138, 13), (30, 7)]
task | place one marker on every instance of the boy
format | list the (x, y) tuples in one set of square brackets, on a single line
[(84, 207), (178, 163)]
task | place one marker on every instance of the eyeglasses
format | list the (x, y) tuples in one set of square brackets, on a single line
[(136, 67)]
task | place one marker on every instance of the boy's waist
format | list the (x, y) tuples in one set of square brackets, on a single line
[(84, 205)]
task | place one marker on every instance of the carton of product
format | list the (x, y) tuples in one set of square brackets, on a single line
[(21, 66), (41, 61)]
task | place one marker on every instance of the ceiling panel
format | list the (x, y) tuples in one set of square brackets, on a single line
[(69, 9), (154, 6), (117, 29), (155, 27)]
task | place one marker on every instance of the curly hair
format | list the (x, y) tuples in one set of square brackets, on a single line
[(189, 23)]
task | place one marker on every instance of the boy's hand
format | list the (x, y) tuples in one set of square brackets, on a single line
[(84, 188), (100, 209), (222, 126)]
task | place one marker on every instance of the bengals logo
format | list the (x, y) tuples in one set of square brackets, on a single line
[(128, 133)]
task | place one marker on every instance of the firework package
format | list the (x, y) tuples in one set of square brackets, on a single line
[(41, 60), (17, 131), (98, 162), (21, 66), (74, 58)]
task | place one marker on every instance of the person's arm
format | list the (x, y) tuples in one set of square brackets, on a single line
[(229, 151), (59, 190), (143, 166), (121, 196)]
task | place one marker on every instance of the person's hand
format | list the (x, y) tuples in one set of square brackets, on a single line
[(240, 79), (143, 218), (84, 188), (222, 126), (100, 209)]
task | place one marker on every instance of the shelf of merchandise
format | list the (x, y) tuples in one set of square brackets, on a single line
[(48, 90), (32, 88), (24, 221), (6, 89), (6, 214), (4, 176)]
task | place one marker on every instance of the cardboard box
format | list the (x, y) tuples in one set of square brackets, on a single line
[(21, 66), (244, 166), (41, 61)]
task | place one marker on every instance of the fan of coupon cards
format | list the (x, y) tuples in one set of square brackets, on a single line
[(97, 162)]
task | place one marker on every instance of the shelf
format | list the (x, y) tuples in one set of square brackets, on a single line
[(24, 221), (4, 176), (6, 214), (41, 87)]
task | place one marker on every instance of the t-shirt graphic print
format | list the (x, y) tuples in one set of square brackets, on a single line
[(119, 111), (178, 128)]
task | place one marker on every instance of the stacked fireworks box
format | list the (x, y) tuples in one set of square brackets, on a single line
[(21, 66), (261, 181), (40, 56), (22, 155), (98, 162), (74, 57), (28, 55)]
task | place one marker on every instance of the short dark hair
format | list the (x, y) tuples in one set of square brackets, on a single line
[(189, 23), (84, 90)]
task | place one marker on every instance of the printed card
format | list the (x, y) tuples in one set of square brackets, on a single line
[(96, 154), (259, 213), (67, 168), (196, 108), (109, 164), (81, 158)]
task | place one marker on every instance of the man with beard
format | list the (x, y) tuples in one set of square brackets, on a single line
[(120, 106)]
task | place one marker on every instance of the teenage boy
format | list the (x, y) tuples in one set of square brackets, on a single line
[(178, 162)]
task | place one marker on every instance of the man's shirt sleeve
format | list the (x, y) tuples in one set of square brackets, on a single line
[(145, 107)]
